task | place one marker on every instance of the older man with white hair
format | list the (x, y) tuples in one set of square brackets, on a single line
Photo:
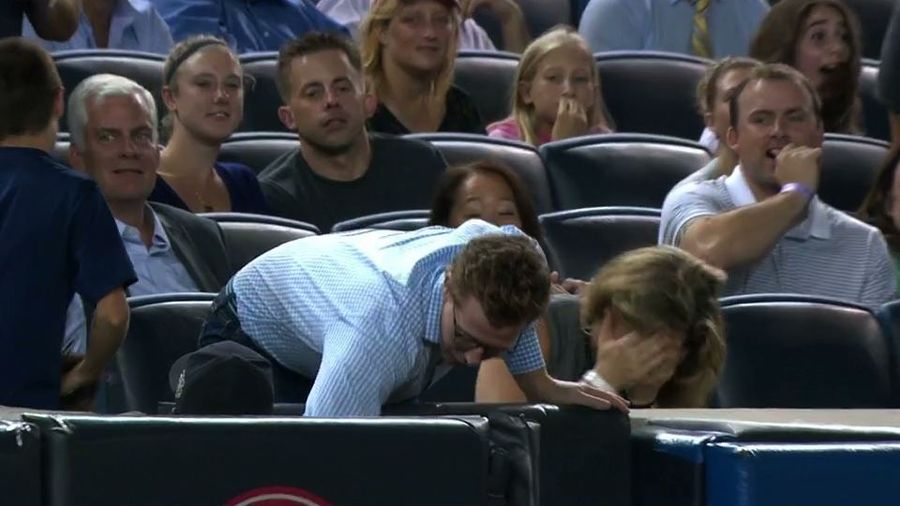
[(113, 128)]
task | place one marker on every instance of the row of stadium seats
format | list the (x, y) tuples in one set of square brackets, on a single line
[(601, 170), (784, 351), (645, 92)]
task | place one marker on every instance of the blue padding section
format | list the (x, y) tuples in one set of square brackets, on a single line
[(827, 474)]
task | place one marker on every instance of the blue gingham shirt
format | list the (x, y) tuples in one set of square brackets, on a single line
[(360, 312)]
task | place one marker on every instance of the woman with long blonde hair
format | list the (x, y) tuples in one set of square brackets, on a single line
[(409, 51), (648, 326), (557, 92)]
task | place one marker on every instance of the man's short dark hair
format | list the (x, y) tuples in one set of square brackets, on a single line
[(507, 275), (28, 87), (312, 42), (775, 72)]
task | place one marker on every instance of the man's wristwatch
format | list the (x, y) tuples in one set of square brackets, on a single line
[(595, 380)]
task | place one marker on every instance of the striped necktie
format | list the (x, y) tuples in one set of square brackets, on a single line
[(700, 43)]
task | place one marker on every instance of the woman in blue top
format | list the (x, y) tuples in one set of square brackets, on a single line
[(204, 92)]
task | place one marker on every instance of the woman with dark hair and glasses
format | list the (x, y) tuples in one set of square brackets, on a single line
[(203, 88)]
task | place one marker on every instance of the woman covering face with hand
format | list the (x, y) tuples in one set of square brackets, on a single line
[(648, 326)]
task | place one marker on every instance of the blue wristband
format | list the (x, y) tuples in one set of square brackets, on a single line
[(801, 188)]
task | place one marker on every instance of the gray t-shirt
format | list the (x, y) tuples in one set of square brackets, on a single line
[(828, 254)]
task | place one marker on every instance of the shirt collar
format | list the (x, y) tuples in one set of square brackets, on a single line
[(160, 238), (435, 306), (816, 223)]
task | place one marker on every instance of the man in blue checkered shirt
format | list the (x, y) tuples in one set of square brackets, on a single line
[(371, 315)]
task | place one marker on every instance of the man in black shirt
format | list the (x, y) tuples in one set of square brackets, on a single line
[(52, 19), (339, 170)]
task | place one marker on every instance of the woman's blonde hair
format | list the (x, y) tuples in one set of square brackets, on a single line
[(376, 22), (554, 38), (662, 288)]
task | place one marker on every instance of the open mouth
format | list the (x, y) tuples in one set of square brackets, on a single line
[(129, 171), (772, 153)]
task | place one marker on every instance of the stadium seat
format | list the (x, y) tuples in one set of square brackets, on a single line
[(889, 316), (262, 102), (20, 464), (794, 351), (875, 114), (394, 220), (850, 165), (153, 461), (162, 328), (619, 169), (61, 148), (144, 68), (487, 77), (580, 241), (652, 92), (874, 16), (257, 149), (583, 455), (521, 158), (249, 235)]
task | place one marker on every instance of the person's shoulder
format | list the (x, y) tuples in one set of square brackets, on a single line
[(173, 214), (846, 222), (396, 146), (281, 167)]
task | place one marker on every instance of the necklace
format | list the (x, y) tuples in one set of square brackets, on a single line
[(207, 207)]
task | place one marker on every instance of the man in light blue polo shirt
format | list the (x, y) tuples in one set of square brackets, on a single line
[(763, 224), (132, 25), (670, 25), (371, 315)]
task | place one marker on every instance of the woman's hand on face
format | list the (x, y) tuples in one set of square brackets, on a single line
[(571, 120), (644, 392), (635, 359)]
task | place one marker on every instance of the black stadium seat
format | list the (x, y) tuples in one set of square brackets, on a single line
[(619, 169), (162, 328), (257, 149), (521, 158), (20, 464), (393, 220), (143, 68), (580, 241), (185, 461), (889, 316), (850, 165), (794, 351), (61, 148), (652, 92), (487, 77), (875, 114), (874, 16), (262, 102), (249, 235)]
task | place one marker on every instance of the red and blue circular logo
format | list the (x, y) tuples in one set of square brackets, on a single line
[(278, 496)]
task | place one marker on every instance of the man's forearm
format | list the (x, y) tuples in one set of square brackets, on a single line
[(54, 19), (744, 235), (108, 329)]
